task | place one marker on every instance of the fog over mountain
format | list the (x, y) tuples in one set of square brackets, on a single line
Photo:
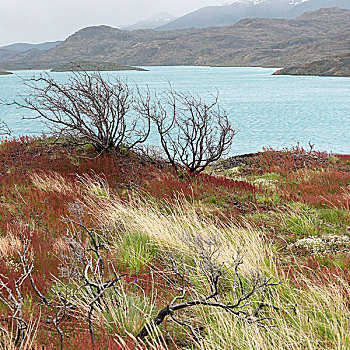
[(153, 22), (38, 21), (235, 11)]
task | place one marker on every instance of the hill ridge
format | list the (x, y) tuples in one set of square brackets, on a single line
[(250, 42)]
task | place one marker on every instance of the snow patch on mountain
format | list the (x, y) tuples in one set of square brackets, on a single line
[(258, 2), (297, 2)]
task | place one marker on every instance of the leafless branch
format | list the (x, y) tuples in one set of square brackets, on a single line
[(244, 290), (13, 298), (82, 282), (85, 263), (4, 129)]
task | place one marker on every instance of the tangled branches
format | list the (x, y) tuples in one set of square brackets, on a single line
[(207, 252), (111, 114), (193, 133), (13, 297), (87, 279), (88, 110)]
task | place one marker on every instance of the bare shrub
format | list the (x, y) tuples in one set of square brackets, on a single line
[(88, 109), (193, 133), (245, 300)]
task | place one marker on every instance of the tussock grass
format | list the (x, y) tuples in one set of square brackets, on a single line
[(9, 245), (142, 231), (311, 317)]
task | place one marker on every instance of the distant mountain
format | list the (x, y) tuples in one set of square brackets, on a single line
[(21, 47), (237, 10), (260, 42), (331, 66), (158, 20), (312, 5)]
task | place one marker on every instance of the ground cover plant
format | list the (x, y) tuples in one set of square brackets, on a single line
[(165, 238)]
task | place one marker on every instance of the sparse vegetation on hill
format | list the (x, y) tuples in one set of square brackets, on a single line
[(332, 66), (93, 66)]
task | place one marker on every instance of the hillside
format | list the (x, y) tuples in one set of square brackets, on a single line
[(250, 42), (333, 66), (93, 66), (5, 73), (29, 55)]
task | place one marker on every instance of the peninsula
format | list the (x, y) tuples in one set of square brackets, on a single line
[(331, 66)]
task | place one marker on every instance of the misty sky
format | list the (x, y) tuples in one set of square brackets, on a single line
[(37, 21)]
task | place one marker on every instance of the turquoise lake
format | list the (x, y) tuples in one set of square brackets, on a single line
[(266, 110)]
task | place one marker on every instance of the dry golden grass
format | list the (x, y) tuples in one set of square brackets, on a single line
[(52, 181), (308, 318), (311, 317), (29, 341), (9, 245)]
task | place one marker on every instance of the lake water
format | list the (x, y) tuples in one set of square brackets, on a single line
[(267, 110)]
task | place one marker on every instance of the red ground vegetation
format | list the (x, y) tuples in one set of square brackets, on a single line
[(22, 205)]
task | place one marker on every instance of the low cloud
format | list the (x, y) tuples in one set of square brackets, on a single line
[(36, 21)]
